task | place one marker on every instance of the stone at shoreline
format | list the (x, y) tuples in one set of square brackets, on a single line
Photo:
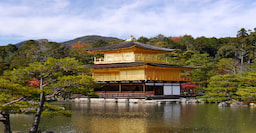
[(252, 104), (223, 104), (232, 104), (238, 104)]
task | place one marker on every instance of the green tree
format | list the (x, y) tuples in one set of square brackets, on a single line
[(111, 42), (19, 61), (241, 86), (186, 42), (242, 46), (14, 98), (206, 45), (247, 89), (79, 52), (252, 46), (54, 50), (226, 51), (162, 41), (3, 66), (228, 66), (222, 88), (7, 52), (54, 77), (99, 43), (11, 52), (178, 57), (201, 76), (40, 50), (30, 51), (143, 39), (160, 37)]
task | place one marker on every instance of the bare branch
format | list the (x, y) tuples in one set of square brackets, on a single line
[(14, 101), (57, 91), (47, 75), (46, 84), (2, 119)]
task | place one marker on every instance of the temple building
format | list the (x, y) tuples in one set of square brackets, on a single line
[(133, 69)]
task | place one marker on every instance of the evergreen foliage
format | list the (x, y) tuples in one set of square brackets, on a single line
[(222, 88), (240, 87), (27, 89)]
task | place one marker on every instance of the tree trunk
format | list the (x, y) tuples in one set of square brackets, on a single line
[(229, 97), (242, 58), (6, 122), (39, 110)]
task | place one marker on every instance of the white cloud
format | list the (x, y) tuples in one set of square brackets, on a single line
[(67, 19)]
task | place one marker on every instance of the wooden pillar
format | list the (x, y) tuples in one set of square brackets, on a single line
[(120, 87), (144, 87)]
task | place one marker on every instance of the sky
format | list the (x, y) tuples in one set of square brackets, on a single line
[(62, 20)]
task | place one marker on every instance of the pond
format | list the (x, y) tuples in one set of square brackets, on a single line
[(143, 118)]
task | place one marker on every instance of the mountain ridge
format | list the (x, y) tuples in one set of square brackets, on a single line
[(82, 39)]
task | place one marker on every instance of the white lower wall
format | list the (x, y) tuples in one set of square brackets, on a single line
[(172, 89)]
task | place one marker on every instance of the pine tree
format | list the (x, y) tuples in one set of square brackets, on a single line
[(14, 98), (247, 90), (222, 88), (52, 78)]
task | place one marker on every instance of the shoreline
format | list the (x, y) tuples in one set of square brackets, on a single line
[(160, 101), (133, 100)]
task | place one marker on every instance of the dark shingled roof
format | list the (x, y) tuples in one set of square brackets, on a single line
[(134, 64), (173, 66), (115, 65), (127, 44)]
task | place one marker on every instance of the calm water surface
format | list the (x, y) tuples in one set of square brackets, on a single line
[(144, 118)]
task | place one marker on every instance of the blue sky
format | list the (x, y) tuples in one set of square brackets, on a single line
[(62, 20)]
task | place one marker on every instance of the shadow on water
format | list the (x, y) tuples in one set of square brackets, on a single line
[(144, 118)]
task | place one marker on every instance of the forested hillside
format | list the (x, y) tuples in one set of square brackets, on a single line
[(88, 39), (217, 56), (70, 43)]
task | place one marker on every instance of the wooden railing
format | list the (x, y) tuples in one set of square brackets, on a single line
[(113, 60), (102, 60), (124, 95), (98, 60), (185, 78), (149, 60)]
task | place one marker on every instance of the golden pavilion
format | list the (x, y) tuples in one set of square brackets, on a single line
[(133, 70)]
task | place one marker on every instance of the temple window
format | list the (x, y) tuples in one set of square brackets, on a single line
[(128, 57)]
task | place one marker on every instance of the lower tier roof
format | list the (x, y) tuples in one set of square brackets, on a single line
[(135, 64)]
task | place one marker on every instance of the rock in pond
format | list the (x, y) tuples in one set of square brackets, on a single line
[(223, 104), (238, 104)]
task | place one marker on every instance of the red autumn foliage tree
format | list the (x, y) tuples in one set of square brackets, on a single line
[(176, 38), (188, 88), (80, 45), (34, 83), (188, 85)]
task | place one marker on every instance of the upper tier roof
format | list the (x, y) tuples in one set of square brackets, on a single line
[(129, 44)]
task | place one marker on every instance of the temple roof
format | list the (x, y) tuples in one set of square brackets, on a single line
[(129, 44), (135, 64)]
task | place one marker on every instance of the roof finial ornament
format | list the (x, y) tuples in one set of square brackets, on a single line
[(132, 38)]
